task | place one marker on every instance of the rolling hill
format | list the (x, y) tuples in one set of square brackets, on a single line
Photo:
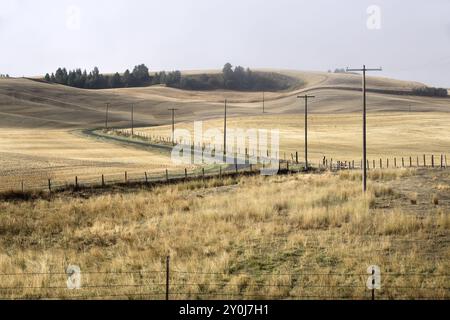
[(25, 103), (41, 123)]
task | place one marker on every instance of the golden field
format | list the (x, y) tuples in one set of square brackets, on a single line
[(41, 124), (33, 156), (299, 236), (339, 136), (285, 237)]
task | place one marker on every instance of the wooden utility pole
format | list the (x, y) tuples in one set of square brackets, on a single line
[(173, 125), (263, 103), (132, 120), (306, 97), (364, 161), (106, 115), (225, 130)]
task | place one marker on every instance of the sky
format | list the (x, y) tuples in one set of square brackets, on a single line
[(409, 39)]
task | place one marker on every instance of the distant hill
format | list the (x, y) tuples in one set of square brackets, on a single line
[(28, 103)]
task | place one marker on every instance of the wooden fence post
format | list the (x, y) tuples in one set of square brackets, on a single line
[(417, 161), (432, 160), (49, 185), (22, 185), (220, 172), (296, 157), (387, 163), (424, 161), (442, 161), (76, 182), (167, 175), (126, 177), (103, 180), (410, 161), (395, 162), (203, 172), (381, 164), (403, 162), (146, 177), (374, 164), (185, 173)]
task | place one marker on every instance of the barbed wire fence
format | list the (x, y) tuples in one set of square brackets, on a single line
[(172, 284)]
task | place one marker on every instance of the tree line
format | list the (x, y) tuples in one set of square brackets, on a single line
[(430, 92), (4, 75), (95, 80), (236, 78)]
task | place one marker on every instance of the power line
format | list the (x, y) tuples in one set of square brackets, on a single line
[(264, 103), (306, 97), (364, 70), (173, 124), (225, 132), (132, 120), (106, 115)]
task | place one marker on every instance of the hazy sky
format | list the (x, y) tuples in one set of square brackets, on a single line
[(409, 39)]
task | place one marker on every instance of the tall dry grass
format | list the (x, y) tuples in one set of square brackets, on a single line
[(299, 236)]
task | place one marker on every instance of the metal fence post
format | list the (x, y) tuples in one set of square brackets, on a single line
[(167, 276), (373, 284)]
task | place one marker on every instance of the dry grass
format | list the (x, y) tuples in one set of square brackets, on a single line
[(240, 238)]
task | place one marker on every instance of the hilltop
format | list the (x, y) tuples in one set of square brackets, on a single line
[(27, 103)]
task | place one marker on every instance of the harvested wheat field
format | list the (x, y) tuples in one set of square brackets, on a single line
[(339, 136), (34, 156), (301, 236)]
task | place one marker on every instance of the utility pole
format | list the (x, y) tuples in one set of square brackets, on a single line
[(263, 103), (132, 120), (173, 125), (364, 160), (106, 115), (225, 131), (306, 97)]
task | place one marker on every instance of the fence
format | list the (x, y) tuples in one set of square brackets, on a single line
[(171, 284), (243, 164)]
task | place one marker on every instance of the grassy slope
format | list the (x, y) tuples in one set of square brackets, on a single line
[(253, 237)]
